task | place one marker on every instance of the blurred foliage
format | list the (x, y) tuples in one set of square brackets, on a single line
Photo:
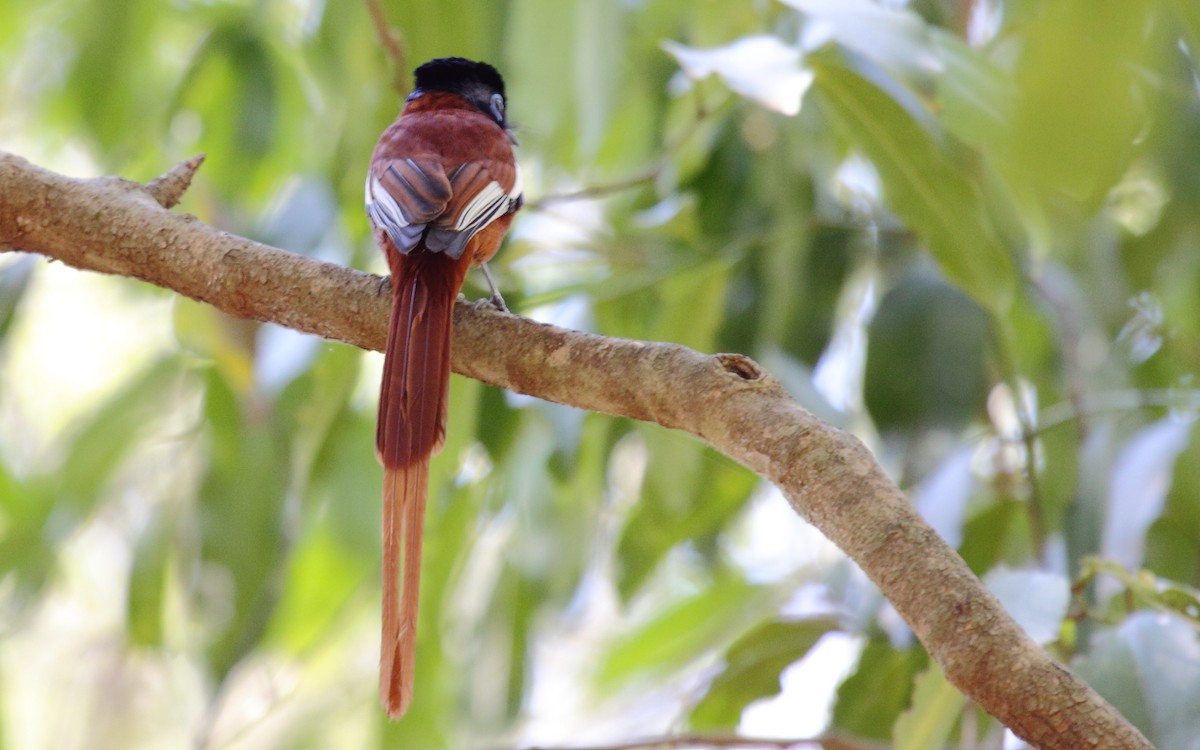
[(965, 230)]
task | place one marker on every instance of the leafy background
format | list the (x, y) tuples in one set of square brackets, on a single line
[(964, 230)]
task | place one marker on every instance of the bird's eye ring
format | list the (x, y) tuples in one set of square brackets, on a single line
[(497, 104)]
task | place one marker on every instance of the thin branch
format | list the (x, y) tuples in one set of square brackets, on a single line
[(1184, 400), (392, 43), (700, 741), (637, 179), (1034, 508), (828, 476)]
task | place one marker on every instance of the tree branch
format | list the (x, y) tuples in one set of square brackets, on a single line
[(829, 477), (391, 42), (680, 742)]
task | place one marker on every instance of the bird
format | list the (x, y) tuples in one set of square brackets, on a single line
[(441, 191)]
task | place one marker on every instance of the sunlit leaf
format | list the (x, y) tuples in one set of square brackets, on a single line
[(1149, 669), (322, 399), (24, 549), (320, 581), (753, 665), (674, 510), (108, 434), (761, 68), (108, 70), (680, 632), (1140, 589), (1080, 100), (449, 27), (148, 582), (231, 93), (598, 50), (921, 183), (1138, 487), (975, 95), (895, 37), (212, 334), (1189, 15), (40, 512), (936, 706)]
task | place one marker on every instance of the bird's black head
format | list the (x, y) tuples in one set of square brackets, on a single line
[(477, 82)]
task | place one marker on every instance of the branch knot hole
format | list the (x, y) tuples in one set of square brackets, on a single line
[(740, 366)]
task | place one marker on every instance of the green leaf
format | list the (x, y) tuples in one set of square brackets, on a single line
[(870, 700), (1081, 102), (39, 512), (1173, 540), (234, 90), (987, 536), (14, 279), (346, 481), (108, 72), (693, 502), (975, 95), (922, 184), (693, 304), (1149, 669), (1188, 14), (936, 706), (25, 548), (496, 422), (1138, 479), (322, 395), (599, 48), (240, 522), (1173, 550), (539, 28), (438, 28), (95, 453), (681, 632), (321, 579), (256, 105), (753, 665), (826, 270), (211, 334), (147, 584)]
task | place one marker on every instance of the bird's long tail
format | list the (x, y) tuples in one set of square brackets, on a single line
[(411, 428)]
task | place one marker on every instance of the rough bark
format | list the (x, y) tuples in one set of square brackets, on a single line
[(829, 477)]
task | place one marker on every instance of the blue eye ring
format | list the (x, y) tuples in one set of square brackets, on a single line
[(496, 103)]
